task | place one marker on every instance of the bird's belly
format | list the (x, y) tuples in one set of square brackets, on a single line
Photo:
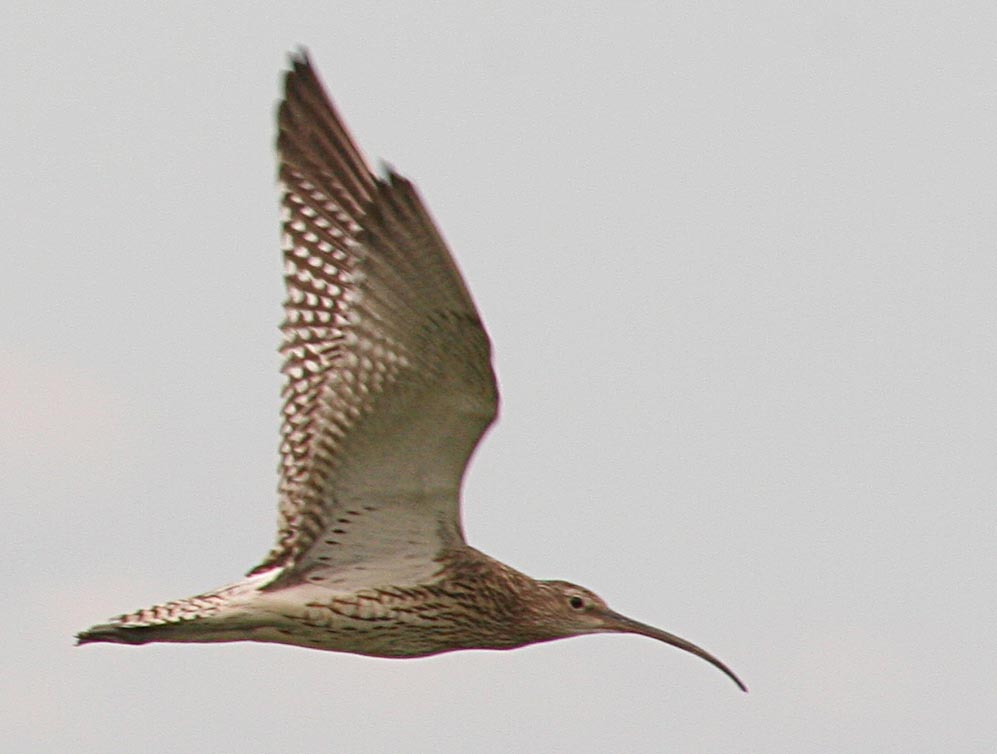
[(388, 622)]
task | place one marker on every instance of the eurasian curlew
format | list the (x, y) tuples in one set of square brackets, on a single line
[(388, 389)]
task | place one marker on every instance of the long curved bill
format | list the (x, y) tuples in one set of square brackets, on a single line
[(623, 624)]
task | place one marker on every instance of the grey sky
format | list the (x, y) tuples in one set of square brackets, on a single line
[(738, 262)]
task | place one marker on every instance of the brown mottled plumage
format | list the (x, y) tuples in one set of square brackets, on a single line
[(388, 389)]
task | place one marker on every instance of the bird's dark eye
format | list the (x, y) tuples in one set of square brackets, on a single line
[(576, 602)]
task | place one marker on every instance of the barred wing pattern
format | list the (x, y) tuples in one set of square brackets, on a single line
[(388, 377)]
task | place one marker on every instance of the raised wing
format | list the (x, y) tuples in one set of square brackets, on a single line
[(389, 384)]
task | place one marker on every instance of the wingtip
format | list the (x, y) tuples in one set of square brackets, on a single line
[(299, 67), (387, 171), (300, 56)]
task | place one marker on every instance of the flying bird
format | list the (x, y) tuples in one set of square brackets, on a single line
[(388, 389)]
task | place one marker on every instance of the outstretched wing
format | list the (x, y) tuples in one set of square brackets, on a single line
[(389, 384)]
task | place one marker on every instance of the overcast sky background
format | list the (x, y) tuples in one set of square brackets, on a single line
[(738, 261)]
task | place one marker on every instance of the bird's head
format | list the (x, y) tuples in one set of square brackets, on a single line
[(572, 610)]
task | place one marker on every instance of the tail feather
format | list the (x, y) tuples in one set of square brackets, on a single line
[(219, 615), (118, 633)]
